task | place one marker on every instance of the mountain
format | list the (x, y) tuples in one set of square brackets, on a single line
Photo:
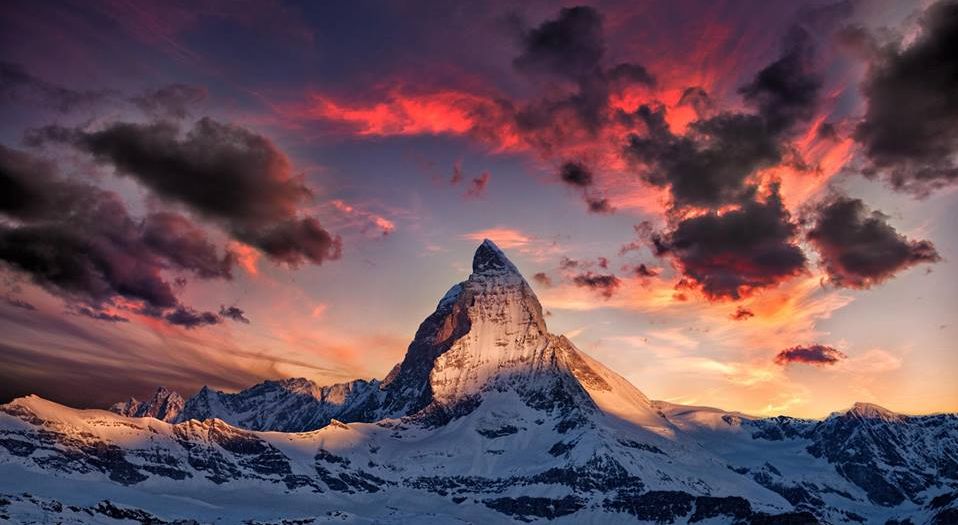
[(164, 405), (289, 405), (489, 418)]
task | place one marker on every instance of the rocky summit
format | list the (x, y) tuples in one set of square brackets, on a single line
[(489, 418)]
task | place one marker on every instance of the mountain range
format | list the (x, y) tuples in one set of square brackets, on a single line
[(489, 418)]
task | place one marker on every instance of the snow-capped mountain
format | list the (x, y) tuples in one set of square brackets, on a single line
[(489, 418), (164, 405), (289, 405)]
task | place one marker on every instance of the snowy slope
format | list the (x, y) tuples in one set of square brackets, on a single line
[(488, 419)]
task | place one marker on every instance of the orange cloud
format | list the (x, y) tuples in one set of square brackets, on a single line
[(438, 112), (505, 238), (246, 256), (364, 220)]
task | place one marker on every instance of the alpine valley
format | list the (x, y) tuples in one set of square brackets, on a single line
[(489, 418)]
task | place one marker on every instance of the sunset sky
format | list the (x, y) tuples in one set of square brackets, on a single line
[(749, 205)]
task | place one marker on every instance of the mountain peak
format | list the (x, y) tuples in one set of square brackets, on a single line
[(164, 405), (490, 259), (872, 411)]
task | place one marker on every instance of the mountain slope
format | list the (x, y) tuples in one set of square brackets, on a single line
[(489, 418)]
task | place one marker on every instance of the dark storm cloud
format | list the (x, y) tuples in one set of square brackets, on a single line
[(910, 129), (186, 245), (631, 74), (786, 91), (79, 242), (710, 165), (18, 85), (172, 101), (859, 248), (818, 355), (699, 100), (575, 174), (732, 253), (580, 177), (604, 284), (221, 171), (827, 131), (741, 314), (189, 318), (571, 48), (542, 279), (234, 313), (92, 267), (25, 189)]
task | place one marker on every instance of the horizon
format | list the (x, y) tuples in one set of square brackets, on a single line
[(735, 205)]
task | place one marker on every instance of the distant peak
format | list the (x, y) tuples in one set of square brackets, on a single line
[(872, 411), (489, 258)]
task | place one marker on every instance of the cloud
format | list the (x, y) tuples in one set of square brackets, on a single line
[(221, 171), (576, 174), (786, 91), (817, 355), (568, 264), (542, 279), (234, 313), (604, 284), (506, 238), (171, 101), (699, 100), (186, 245), (599, 205), (571, 48), (99, 315), (17, 85), (19, 303), (477, 187), (858, 247), (731, 254), (712, 164), (910, 130), (457, 175), (80, 243), (626, 73), (579, 176), (741, 314), (644, 271), (189, 318)]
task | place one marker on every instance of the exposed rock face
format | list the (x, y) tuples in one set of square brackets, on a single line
[(289, 405), (489, 418), (164, 405)]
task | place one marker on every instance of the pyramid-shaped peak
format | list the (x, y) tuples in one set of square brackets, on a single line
[(490, 259)]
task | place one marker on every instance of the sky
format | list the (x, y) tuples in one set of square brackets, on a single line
[(741, 204)]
